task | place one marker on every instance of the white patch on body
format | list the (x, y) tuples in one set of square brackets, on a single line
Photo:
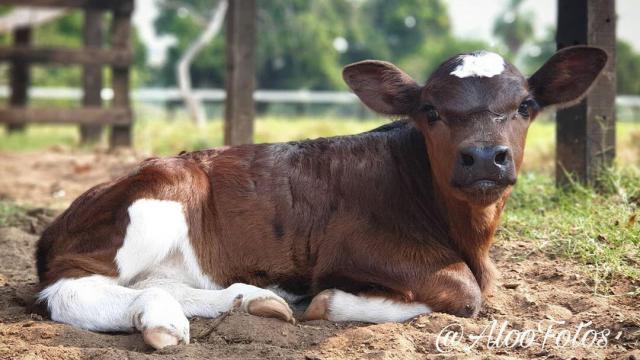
[(160, 281), (348, 307), (485, 63), (157, 228)]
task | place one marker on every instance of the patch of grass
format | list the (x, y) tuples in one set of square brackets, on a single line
[(164, 137), (541, 146), (38, 137), (169, 138), (598, 229), (11, 214), (161, 137)]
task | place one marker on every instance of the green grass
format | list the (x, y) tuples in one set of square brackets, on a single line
[(162, 137), (596, 229), (541, 146), (11, 214), (167, 138), (38, 137), (170, 137)]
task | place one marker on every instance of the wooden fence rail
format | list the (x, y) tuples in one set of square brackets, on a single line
[(83, 56), (122, 5), (85, 115), (92, 57)]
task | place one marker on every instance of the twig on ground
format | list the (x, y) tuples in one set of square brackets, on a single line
[(217, 321)]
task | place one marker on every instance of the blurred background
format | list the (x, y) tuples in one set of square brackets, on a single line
[(301, 47)]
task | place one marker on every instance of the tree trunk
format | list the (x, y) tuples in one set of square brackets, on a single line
[(193, 104)]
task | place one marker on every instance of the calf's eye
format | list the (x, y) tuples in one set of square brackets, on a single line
[(523, 109), (431, 112)]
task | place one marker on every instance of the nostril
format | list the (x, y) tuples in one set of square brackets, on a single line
[(467, 160), (501, 157)]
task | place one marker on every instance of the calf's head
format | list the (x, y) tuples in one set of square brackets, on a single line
[(474, 111)]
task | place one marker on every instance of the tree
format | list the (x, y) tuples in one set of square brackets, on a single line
[(399, 28), (513, 27), (295, 43), (213, 26), (627, 69), (186, 19), (539, 51), (627, 62), (304, 44)]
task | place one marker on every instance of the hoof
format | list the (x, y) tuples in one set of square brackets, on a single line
[(319, 307), (271, 308), (159, 338)]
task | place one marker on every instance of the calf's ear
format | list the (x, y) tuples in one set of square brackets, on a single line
[(567, 75), (383, 87)]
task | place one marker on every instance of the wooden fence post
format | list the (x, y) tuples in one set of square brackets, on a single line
[(19, 78), (92, 74), (240, 80), (120, 32), (585, 133)]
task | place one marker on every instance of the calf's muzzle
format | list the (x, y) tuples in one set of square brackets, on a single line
[(484, 168)]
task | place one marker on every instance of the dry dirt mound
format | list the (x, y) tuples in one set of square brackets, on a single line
[(534, 295)]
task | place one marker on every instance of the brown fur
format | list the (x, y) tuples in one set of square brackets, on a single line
[(374, 213)]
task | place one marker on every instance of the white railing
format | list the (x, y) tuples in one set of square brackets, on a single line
[(207, 95), (628, 100), (162, 95)]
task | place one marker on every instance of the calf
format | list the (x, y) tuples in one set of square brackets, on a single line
[(377, 227)]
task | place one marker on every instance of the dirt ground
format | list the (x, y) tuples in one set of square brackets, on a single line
[(546, 304)]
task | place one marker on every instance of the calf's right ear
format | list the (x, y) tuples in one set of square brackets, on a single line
[(383, 87), (567, 75)]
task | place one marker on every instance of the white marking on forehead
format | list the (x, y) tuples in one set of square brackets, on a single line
[(484, 63)]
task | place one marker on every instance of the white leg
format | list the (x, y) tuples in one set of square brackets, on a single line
[(211, 303), (98, 303), (337, 305)]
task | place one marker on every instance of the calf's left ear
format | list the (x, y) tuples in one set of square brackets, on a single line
[(383, 87), (567, 75)]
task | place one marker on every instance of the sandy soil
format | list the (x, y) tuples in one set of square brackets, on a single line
[(54, 178), (533, 296)]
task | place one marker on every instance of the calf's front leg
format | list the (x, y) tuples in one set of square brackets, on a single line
[(337, 305), (451, 289)]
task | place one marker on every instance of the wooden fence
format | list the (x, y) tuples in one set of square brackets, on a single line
[(92, 57), (586, 132)]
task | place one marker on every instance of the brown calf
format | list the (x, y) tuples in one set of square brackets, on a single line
[(380, 226)]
